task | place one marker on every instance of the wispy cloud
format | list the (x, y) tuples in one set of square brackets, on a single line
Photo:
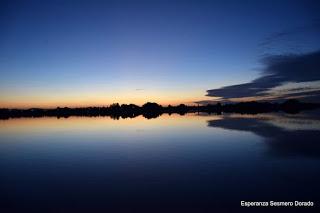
[(311, 28)]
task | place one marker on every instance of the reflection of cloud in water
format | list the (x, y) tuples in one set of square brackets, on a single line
[(284, 121), (285, 135)]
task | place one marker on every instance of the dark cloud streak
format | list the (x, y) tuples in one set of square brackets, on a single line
[(312, 28), (279, 69)]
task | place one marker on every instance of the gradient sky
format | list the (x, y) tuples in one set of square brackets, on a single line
[(79, 53)]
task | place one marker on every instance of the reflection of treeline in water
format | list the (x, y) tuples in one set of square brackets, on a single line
[(153, 110)]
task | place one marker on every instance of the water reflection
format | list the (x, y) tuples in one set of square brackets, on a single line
[(190, 163), (285, 135)]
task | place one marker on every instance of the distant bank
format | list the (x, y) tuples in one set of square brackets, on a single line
[(153, 110)]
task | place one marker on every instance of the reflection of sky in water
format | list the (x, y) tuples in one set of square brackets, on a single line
[(172, 162)]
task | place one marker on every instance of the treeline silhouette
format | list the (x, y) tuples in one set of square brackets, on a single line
[(153, 110)]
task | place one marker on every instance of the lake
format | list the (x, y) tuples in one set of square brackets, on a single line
[(173, 163)]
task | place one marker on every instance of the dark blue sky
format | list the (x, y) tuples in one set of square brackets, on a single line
[(99, 52)]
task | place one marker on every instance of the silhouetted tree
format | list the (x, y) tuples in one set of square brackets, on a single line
[(153, 110)]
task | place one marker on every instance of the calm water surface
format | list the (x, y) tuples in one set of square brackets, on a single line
[(191, 163)]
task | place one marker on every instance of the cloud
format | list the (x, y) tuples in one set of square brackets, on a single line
[(279, 70), (310, 29)]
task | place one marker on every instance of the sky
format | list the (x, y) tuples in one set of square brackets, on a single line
[(84, 53)]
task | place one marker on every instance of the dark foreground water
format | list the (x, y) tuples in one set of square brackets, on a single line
[(191, 163)]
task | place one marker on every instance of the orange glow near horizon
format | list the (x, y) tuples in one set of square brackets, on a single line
[(32, 102), (99, 97)]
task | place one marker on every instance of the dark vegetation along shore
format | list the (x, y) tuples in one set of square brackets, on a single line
[(153, 110)]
